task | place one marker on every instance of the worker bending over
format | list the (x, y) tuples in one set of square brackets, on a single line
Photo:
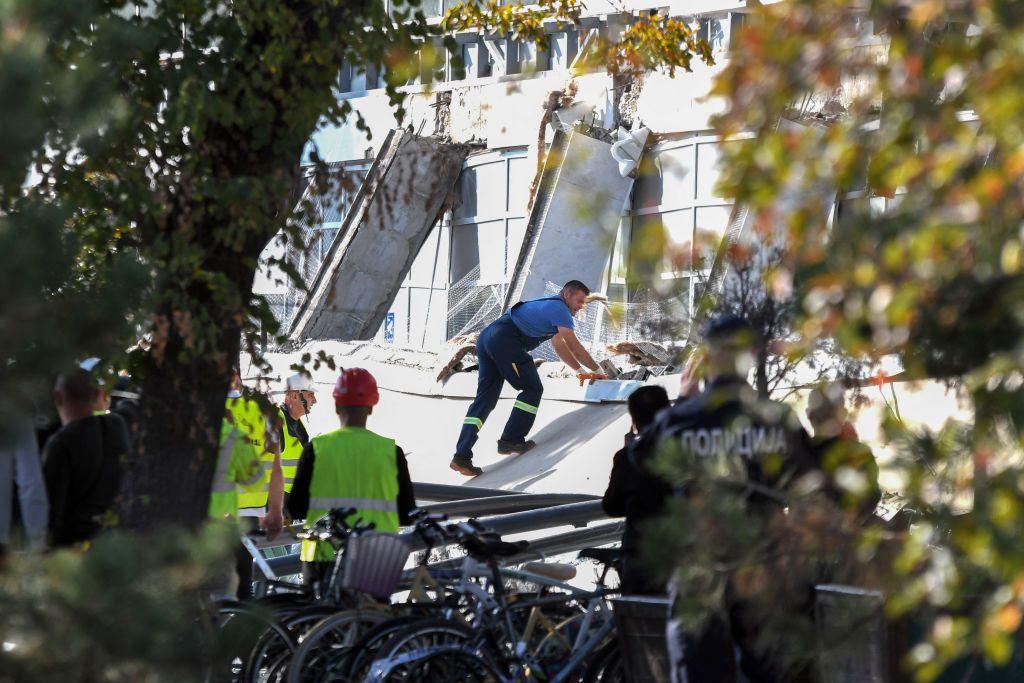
[(350, 467), (503, 351)]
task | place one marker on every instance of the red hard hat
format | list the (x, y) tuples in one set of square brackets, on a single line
[(356, 387)]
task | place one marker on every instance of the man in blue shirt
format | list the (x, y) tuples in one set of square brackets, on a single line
[(503, 350)]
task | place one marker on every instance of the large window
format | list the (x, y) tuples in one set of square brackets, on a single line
[(490, 219), (678, 219), (488, 227)]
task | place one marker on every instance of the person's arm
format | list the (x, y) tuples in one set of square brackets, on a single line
[(273, 521), (406, 495), (614, 501), (298, 498), (57, 476), (571, 351), (28, 473)]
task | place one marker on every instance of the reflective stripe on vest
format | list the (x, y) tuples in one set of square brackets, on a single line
[(290, 453), (221, 483), (358, 503), (353, 468), (237, 463)]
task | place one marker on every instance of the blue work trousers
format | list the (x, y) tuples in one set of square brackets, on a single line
[(504, 355)]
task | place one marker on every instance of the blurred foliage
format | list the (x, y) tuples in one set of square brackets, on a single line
[(913, 112), (131, 608)]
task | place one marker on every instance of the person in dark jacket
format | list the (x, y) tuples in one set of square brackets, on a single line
[(848, 462), (635, 493), (82, 461), (725, 441)]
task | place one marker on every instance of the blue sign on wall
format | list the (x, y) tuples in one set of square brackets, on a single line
[(389, 328)]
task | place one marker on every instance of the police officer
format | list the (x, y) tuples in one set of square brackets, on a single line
[(725, 433), (503, 351), (350, 467)]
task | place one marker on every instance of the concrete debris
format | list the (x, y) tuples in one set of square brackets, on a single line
[(456, 351), (608, 368), (388, 222), (645, 353), (574, 216)]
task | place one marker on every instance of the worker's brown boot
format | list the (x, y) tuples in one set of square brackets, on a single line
[(465, 466), (514, 447)]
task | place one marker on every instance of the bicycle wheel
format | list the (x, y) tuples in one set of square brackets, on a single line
[(328, 641), (268, 662), (445, 664), (354, 664), (607, 666), (406, 646), (241, 630)]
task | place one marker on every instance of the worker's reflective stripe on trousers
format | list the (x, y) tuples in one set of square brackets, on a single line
[(525, 407), (359, 503), (475, 421)]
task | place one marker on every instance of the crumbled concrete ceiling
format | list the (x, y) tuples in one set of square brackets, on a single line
[(387, 224), (574, 217)]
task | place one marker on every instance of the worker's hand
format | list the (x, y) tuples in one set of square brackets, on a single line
[(590, 376), (272, 523)]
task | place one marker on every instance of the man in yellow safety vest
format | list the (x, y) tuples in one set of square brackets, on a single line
[(238, 464), (350, 467), (261, 502), (299, 399)]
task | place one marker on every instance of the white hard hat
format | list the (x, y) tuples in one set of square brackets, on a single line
[(299, 382)]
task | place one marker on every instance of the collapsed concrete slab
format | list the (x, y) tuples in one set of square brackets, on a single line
[(574, 218), (388, 222)]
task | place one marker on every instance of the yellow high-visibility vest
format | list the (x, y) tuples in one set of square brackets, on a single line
[(249, 419), (291, 449), (353, 468), (238, 463)]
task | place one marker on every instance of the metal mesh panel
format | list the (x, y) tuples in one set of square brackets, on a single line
[(306, 254), (471, 306)]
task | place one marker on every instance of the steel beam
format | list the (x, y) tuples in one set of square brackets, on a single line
[(504, 504), (576, 514), (444, 492)]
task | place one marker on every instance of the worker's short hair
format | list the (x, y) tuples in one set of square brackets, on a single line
[(353, 410), (78, 386), (576, 286), (645, 402)]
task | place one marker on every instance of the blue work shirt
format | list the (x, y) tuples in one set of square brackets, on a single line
[(541, 318)]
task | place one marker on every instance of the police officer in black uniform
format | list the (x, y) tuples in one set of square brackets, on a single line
[(726, 433)]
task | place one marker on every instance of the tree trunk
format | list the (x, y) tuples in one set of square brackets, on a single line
[(762, 372), (183, 393)]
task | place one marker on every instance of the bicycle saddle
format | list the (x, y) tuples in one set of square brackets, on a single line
[(484, 548), (606, 556)]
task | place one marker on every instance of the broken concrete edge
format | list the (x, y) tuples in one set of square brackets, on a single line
[(303, 318), (338, 306)]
